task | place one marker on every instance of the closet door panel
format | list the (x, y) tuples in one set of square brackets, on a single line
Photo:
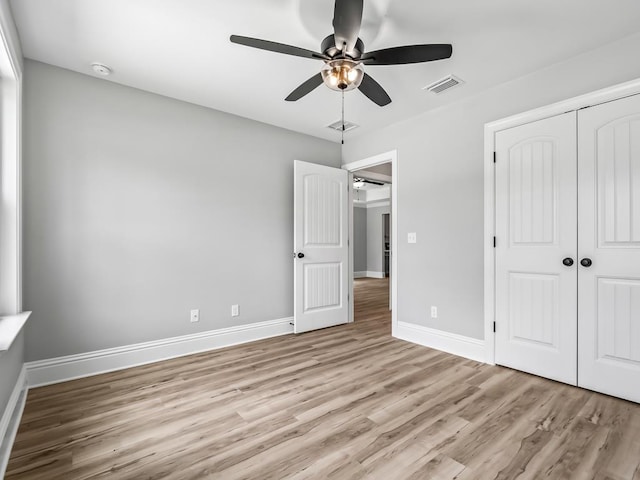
[(536, 230), (609, 236)]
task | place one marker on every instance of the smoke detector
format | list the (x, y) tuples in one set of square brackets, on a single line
[(443, 84), (101, 69)]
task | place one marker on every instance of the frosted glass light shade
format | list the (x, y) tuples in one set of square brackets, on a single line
[(342, 75)]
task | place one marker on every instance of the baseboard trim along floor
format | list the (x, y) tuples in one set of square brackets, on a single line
[(10, 419), (62, 369), (460, 345)]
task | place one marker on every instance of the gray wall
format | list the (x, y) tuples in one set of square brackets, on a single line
[(359, 239), (374, 238), (440, 183), (138, 208), (10, 367)]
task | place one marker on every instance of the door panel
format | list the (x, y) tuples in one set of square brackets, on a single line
[(322, 282), (320, 234), (536, 325), (618, 302), (532, 192), (534, 309), (322, 216), (609, 235), (618, 182)]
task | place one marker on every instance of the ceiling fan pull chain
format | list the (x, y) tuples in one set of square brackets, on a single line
[(342, 131)]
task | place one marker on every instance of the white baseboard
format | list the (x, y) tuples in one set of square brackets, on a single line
[(10, 419), (368, 274), (61, 369), (460, 345)]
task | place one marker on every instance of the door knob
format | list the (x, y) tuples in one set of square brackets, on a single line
[(586, 262), (300, 255), (567, 262)]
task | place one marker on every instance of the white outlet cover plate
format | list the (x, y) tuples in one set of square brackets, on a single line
[(412, 237), (195, 316)]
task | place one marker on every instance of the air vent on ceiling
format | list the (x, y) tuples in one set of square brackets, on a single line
[(337, 126), (444, 84)]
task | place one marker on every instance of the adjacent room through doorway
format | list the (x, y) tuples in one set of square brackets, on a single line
[(371, 210)]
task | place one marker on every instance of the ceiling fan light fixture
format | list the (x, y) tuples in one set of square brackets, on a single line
[(342, 74)]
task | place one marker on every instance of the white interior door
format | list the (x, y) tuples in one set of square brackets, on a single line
[(609, 236), (321, 255), (536, 314)]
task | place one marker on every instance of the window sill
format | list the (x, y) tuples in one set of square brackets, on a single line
[(10, 328)]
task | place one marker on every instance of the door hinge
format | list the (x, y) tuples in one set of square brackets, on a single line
[(494, 157), (494, 242), (494, 327)]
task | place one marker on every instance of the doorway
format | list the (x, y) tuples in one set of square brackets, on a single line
[(371, 206), (373, 199)]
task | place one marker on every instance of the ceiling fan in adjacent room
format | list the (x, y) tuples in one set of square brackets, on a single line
[(344, 56), (358, 182)]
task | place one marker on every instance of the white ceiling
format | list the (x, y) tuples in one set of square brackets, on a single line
[(383, 169), (181, 48)]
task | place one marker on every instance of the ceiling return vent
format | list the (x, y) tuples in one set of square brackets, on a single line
[(337, 126), (444, 84)]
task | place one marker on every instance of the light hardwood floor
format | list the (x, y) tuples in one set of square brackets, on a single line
[(347, 402)]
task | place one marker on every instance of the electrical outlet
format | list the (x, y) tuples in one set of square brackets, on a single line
[(235, 310), (434, 312), (412, 237), (195, 316)]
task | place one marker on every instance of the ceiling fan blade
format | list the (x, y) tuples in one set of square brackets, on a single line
[(372, 182), (374, 91), (311, 84), (407, 54), (347, 18), (276, 47)]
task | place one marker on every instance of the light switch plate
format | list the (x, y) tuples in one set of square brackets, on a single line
[(412, 237)]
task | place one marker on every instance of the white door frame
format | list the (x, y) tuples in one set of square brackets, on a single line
[(386, 157), (490, 129)]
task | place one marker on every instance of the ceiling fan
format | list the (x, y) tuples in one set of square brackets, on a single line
[(344, 56), (359, 182)]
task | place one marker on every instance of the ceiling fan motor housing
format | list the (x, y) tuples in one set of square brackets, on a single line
[(328, 47)]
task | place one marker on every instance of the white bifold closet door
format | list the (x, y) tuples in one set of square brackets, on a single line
[(568, 248), (536, 311), (609, 237)]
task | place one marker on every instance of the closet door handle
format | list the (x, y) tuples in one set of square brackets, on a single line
[(586, 262), (567, 262)]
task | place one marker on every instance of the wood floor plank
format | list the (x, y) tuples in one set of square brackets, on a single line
[(348, 402)]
